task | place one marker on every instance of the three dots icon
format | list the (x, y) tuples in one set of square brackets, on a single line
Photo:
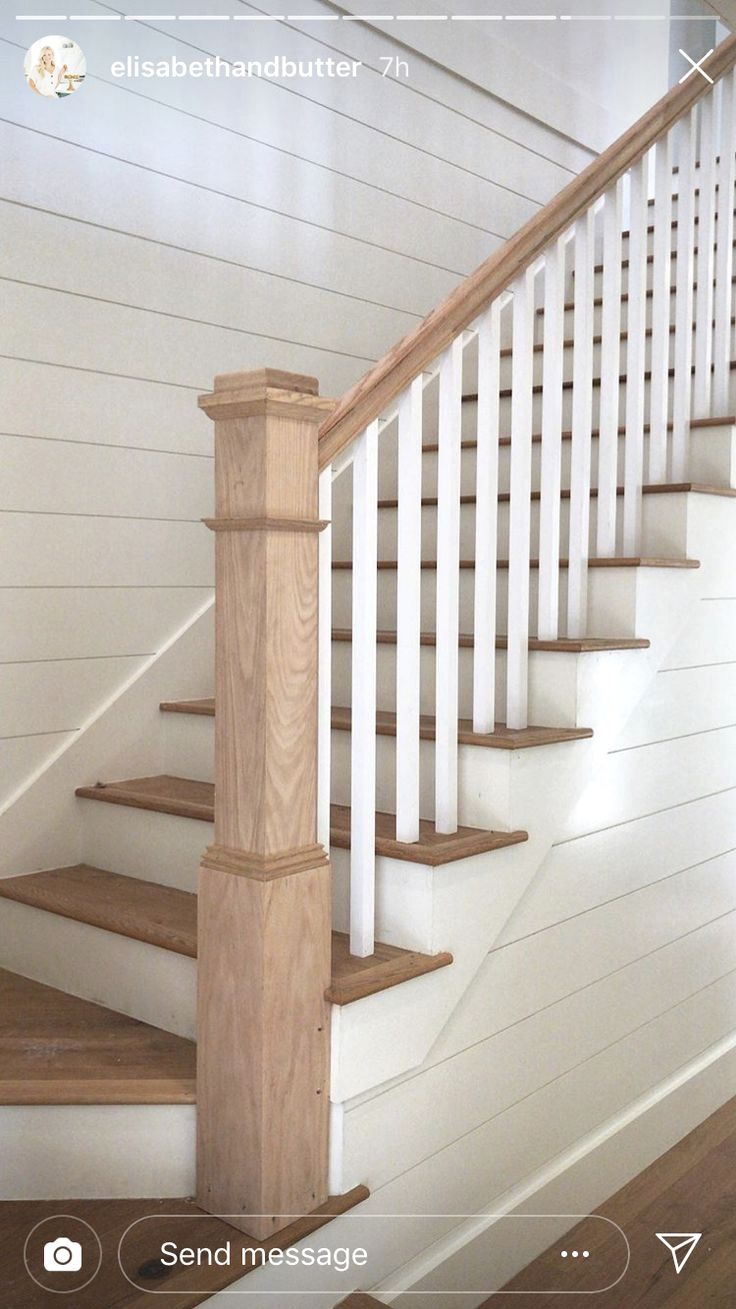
[(575, 1254)]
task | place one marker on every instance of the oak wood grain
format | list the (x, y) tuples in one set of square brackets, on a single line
[(264, 912), (690, 1187), (502, 737), (146, 1224), (145, 911), (88, 900), (58, 1049)]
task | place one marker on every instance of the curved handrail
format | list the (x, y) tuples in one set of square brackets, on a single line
[(406, 360)]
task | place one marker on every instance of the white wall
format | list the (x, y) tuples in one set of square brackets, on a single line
[(618, 966), (155, 233)]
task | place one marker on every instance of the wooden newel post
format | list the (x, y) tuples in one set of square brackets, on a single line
[(264, 885)]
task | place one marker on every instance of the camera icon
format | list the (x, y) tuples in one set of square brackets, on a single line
[(62, 1256)]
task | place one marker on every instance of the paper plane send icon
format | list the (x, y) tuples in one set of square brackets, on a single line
[(680, 1246)]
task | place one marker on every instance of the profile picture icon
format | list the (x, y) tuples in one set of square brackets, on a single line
[(55, 67)]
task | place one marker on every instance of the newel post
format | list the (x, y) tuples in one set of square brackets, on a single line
[(264, 885)]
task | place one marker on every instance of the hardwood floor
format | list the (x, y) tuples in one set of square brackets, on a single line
[(166, 1220), (690, 1188)]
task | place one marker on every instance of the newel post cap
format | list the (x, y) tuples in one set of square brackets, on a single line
[(266, 391)]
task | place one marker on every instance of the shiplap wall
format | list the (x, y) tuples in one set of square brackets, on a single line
[(155, 233), (617, 968)]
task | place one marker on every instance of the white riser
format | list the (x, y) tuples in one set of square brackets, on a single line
[(712, 460), (654, 529), (554, 681), (96, 1151), (567, 362), (598, 278), (403, 911), (569, 317), (189, 748), (497, 789), (138, 843), (154, 985), (613, 609), (487, 798)]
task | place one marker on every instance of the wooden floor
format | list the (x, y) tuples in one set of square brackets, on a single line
[(691, 1188), (139, 1252)]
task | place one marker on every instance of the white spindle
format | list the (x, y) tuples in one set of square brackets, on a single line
[(522, 377), (610, 356), (551, 461), (661, 282), (682, 388), (363, 721), (703, 381), (408, 611), (635, 356), (582, 422), (724, 253), (324, 693), (486, 519), (448, 580)]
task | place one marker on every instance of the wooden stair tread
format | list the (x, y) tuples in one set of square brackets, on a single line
[(614, 561), (351, 978), (695, 424), (569, 341), (389, 965), (506, 392), (564, 645), (58, 1049), (187, 798), (111, 1219), (502, 738), (598, 300), (145, 911), (433, 848), (649, 488)]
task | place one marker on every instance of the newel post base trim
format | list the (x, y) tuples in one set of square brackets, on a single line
[(264, 886)]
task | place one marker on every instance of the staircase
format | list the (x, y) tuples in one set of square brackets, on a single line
[(525, 500)]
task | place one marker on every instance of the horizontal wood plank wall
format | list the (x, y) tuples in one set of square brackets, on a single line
[(617, 967), (162, 236)]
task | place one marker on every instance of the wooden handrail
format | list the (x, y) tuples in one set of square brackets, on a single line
[(387, 379)]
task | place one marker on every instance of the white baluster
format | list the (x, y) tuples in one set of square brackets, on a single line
[(363, 722), (486, 519), (661, 282), (522, 378), (635, 356), (448, 580), (703, 381), (610, 355), (548, 610), (408, 611), (724, 253), (324, 697), (582, 423), (685, 273)]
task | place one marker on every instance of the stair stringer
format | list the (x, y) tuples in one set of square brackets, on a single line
[(385, 1036), (41, 827)]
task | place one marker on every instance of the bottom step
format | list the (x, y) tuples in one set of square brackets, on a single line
[(180, 1221)]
